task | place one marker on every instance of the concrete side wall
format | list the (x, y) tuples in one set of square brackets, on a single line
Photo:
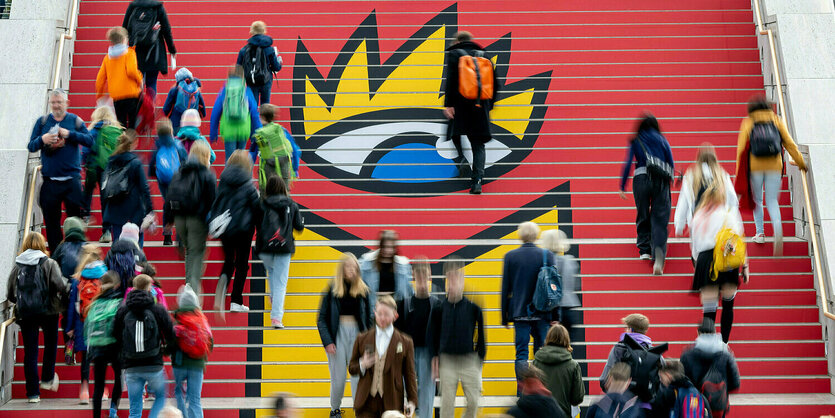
[(805, 32)]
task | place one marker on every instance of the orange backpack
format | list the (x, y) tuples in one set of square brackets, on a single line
[(87, 290), (475, 76)]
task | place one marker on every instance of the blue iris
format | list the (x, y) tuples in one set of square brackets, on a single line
[(417, 170)]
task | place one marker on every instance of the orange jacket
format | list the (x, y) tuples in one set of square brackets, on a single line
[(120, 76)]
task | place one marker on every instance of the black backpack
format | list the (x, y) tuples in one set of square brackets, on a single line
[(765, 140), (184, 192), (256, 66), (32, 290), (644, 363), (276, 228), (657, 168), (115, 185), (140, 336), (230, 215), (142, 25)]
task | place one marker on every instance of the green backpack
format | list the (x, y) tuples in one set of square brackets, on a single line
[(98, 327), (106, 143), (272, 144), (235, 122)]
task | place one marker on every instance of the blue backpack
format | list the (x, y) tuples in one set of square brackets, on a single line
[(188, 96), (548, 292), (690, 404), (168, 163)]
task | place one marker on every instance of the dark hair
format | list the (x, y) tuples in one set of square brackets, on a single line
[(674, 368), (532, 372), (648, 122), (707, 326), (275, 186), (758, 102), (386, 235), (281, 401), (267, 112), (164, 127), (463, 36)]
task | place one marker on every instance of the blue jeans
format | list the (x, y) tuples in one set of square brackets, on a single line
[(771, 182), (262, 93), (278, 271), (136, 384), (193, 379), (426, 384), (232, 146), (537, 329), (151, 80), (116, 232)]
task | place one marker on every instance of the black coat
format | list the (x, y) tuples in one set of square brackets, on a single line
[(138, 301), (153, 58), (279, 204), (697, 362), (469, 120), (521, 268), (536, 406), (328, 320), (406, 320), (137, 204), (208, 187), (236, 186)]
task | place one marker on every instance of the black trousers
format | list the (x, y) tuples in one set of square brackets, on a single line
[(479, 154), (93, 178), (99, 374), (652, 199), (236, 251), (29, 332), (126, 110), (53, 194)]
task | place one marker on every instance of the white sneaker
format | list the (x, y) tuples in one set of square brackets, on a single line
[(51, 385), (238, 308), (105, 238), (34, 399), (645, 256), (759, 238)]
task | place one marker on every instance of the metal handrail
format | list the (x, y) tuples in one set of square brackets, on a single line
[(30, 200), (3, 329), (781, 109), (69, 34)]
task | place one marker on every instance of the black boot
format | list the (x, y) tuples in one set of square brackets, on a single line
[(166, 239), (476, 187)]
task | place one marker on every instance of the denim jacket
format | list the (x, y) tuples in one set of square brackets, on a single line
[(371, 277)]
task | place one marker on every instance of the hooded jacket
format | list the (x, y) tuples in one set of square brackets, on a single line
[(66, 255), (169, 108), (152, 58), (617, 352), (772, 163), (137, 203), (279, 204), (536, 405), (73, 317), (138, 301), (165, 141), (709, 350), (188, 302), (57, 286), (470, 119), (665, 400), (655, 143), (119, 75), (563, 376), (237, 189), (188, 135), (217, 112), (371, 277), (112, 349), (265, 42), (206, 180)]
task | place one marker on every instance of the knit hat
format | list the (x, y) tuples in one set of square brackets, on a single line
[(74, 223), (190, 118), (186, 298), (183, 74), (130, 232)]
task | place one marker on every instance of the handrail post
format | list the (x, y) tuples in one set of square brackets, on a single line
[(68, 34)]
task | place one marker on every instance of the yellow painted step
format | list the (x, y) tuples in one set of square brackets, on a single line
[(322, 388), (320, 371), (308, 319), (349, 413), (317, 354), (311, 336), (295, 301)]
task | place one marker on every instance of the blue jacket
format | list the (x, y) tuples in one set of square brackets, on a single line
[(169, 109), (655, 143), (137, 204), (165, 141), (521, 269), (371, 277), (73, 318), (64, 161), (262, 41), (217, 112)]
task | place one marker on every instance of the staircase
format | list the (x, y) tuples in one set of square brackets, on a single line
[(360, 92)]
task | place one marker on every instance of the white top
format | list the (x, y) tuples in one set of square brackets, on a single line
[(687, 200), (707, 223), (383, 339)]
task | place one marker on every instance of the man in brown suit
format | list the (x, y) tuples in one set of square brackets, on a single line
[(385, 361)]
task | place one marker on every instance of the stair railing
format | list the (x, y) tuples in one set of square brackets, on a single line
[(69, 34), (804, 174)]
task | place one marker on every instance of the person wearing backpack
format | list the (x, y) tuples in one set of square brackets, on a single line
[(168, 156), (189, 199), (68, 253), (385, 271), (126, 193), (556, 241), (563, 376), (235, 113), (105, 130), (37, 289), (102, 347), (189, 132), (469, 116), (143, 328), (260, 62), (277, 149), (125, 255), (678, 397), (184, 94), (535, 400), (704, 173), (275, 243), (759, 165), (717, 221), (459, 345), (194, 343), (519, 278), (234, 213), (58, 135), (618, 401), (710, 364), (150, 32), (120, 78), (650, 188)]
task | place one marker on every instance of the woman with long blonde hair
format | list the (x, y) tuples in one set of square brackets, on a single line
[(104, 128), (705, 173), (345, 313), (127, 196)]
